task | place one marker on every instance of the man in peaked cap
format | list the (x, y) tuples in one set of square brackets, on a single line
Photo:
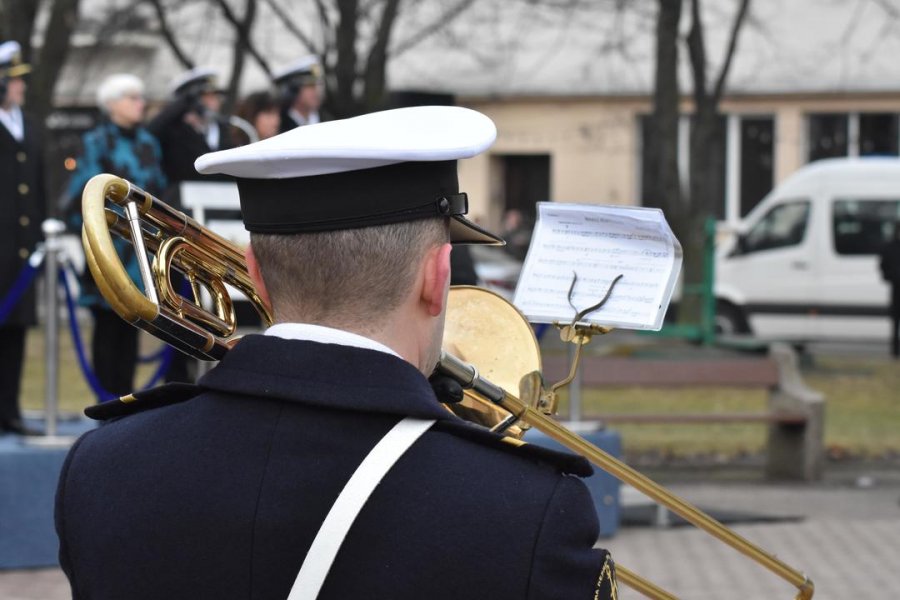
[(190, 125), (315, 461), (300, 85), (22, 209)]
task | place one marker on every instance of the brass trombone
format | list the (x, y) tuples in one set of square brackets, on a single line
[(208, 261)]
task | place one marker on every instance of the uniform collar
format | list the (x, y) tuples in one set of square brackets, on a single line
[(300, 120), (325, 335), (325, 375)]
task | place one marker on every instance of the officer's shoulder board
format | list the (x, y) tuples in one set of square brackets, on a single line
[(171, 393), (562, 461)]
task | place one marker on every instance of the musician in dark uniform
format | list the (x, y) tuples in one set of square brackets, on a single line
[(315, 461), (301, 87), (22, 209), (187, 127)]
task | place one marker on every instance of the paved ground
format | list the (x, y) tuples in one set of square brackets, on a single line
[(847, 541)]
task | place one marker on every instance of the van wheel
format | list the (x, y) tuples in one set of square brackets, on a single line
[(730, 319)]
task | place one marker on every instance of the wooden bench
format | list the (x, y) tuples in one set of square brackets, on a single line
[(795, 413)]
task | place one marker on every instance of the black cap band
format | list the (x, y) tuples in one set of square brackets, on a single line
[(377, 196)]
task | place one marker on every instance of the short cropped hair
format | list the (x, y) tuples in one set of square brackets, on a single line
[(116, 86), (346, 277)]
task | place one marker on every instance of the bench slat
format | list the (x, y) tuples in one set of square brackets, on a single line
[(680, 418), (601, 371)]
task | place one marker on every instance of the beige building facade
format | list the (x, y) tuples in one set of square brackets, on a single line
[(592, 146)]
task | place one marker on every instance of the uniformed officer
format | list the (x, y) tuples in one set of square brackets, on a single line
[(22, 209), (190, 125), (301, 86), (315, 461)]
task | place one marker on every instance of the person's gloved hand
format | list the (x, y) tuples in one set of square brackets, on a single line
[(447, 389)]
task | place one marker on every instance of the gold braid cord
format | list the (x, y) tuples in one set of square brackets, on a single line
[(607, 588)]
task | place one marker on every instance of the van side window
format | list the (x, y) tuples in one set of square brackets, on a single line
[(784, 225), (863, 226)]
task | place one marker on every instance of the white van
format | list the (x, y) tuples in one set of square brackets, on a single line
[(804, 264)]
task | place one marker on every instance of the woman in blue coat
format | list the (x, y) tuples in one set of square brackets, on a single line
[(122, 146)]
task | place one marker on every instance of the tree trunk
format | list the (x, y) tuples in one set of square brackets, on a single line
[(666, 187), (342, 101), (377, 59), (241, 47), (18, 23), (52, 59)]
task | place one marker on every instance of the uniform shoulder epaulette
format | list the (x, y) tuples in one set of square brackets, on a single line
[(562, 461), (164, 395)]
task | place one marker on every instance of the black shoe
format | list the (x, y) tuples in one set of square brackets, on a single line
[(18, 427)]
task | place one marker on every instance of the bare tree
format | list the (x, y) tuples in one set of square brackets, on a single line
[(688, 213), (707, 148), (353, 40), (18, 19)]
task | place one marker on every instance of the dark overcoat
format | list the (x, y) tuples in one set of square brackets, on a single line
[(181, 145), (218, 491), (22, 210)]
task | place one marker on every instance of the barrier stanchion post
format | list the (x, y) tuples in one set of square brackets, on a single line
[(52, 229)]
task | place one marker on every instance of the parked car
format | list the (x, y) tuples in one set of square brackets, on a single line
[(804, 264)]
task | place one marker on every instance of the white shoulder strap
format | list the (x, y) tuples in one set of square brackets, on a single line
[(350, 501)]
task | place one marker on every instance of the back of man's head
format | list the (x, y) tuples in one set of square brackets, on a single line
[(350, 276)]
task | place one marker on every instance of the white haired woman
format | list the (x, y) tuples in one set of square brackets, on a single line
[(120, 145)]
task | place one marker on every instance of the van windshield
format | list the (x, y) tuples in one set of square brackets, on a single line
[(784, 225), (863, 226)]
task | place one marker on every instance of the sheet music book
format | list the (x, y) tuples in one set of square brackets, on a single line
[(599, 243)]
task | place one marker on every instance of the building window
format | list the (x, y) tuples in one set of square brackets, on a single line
[(878, 134), (757, 149), (853, 134), (743, 170), (526, 181), (828, 136)]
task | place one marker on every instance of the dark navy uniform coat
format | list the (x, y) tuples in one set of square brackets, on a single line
[(22, 210), (219, 495)]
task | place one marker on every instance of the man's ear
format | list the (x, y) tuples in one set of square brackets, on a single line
[(256, 276), (437, 279)]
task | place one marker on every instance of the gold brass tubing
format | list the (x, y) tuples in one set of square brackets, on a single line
[(659, 494), (124, 297), (642, 586)]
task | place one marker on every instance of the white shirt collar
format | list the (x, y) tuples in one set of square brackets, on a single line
[(326, 335), (212, 134), (12, 120), (300, 120)]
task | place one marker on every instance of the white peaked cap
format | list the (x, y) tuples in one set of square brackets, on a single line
[(421, 133), (188, 77), (384, 167), (305, 64)]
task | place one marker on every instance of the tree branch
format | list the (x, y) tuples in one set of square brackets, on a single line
[(243, 31), (291, 26), (375, 62), (57, 39), (167, 34), (732, 46), (697, 54), (442, 21)]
